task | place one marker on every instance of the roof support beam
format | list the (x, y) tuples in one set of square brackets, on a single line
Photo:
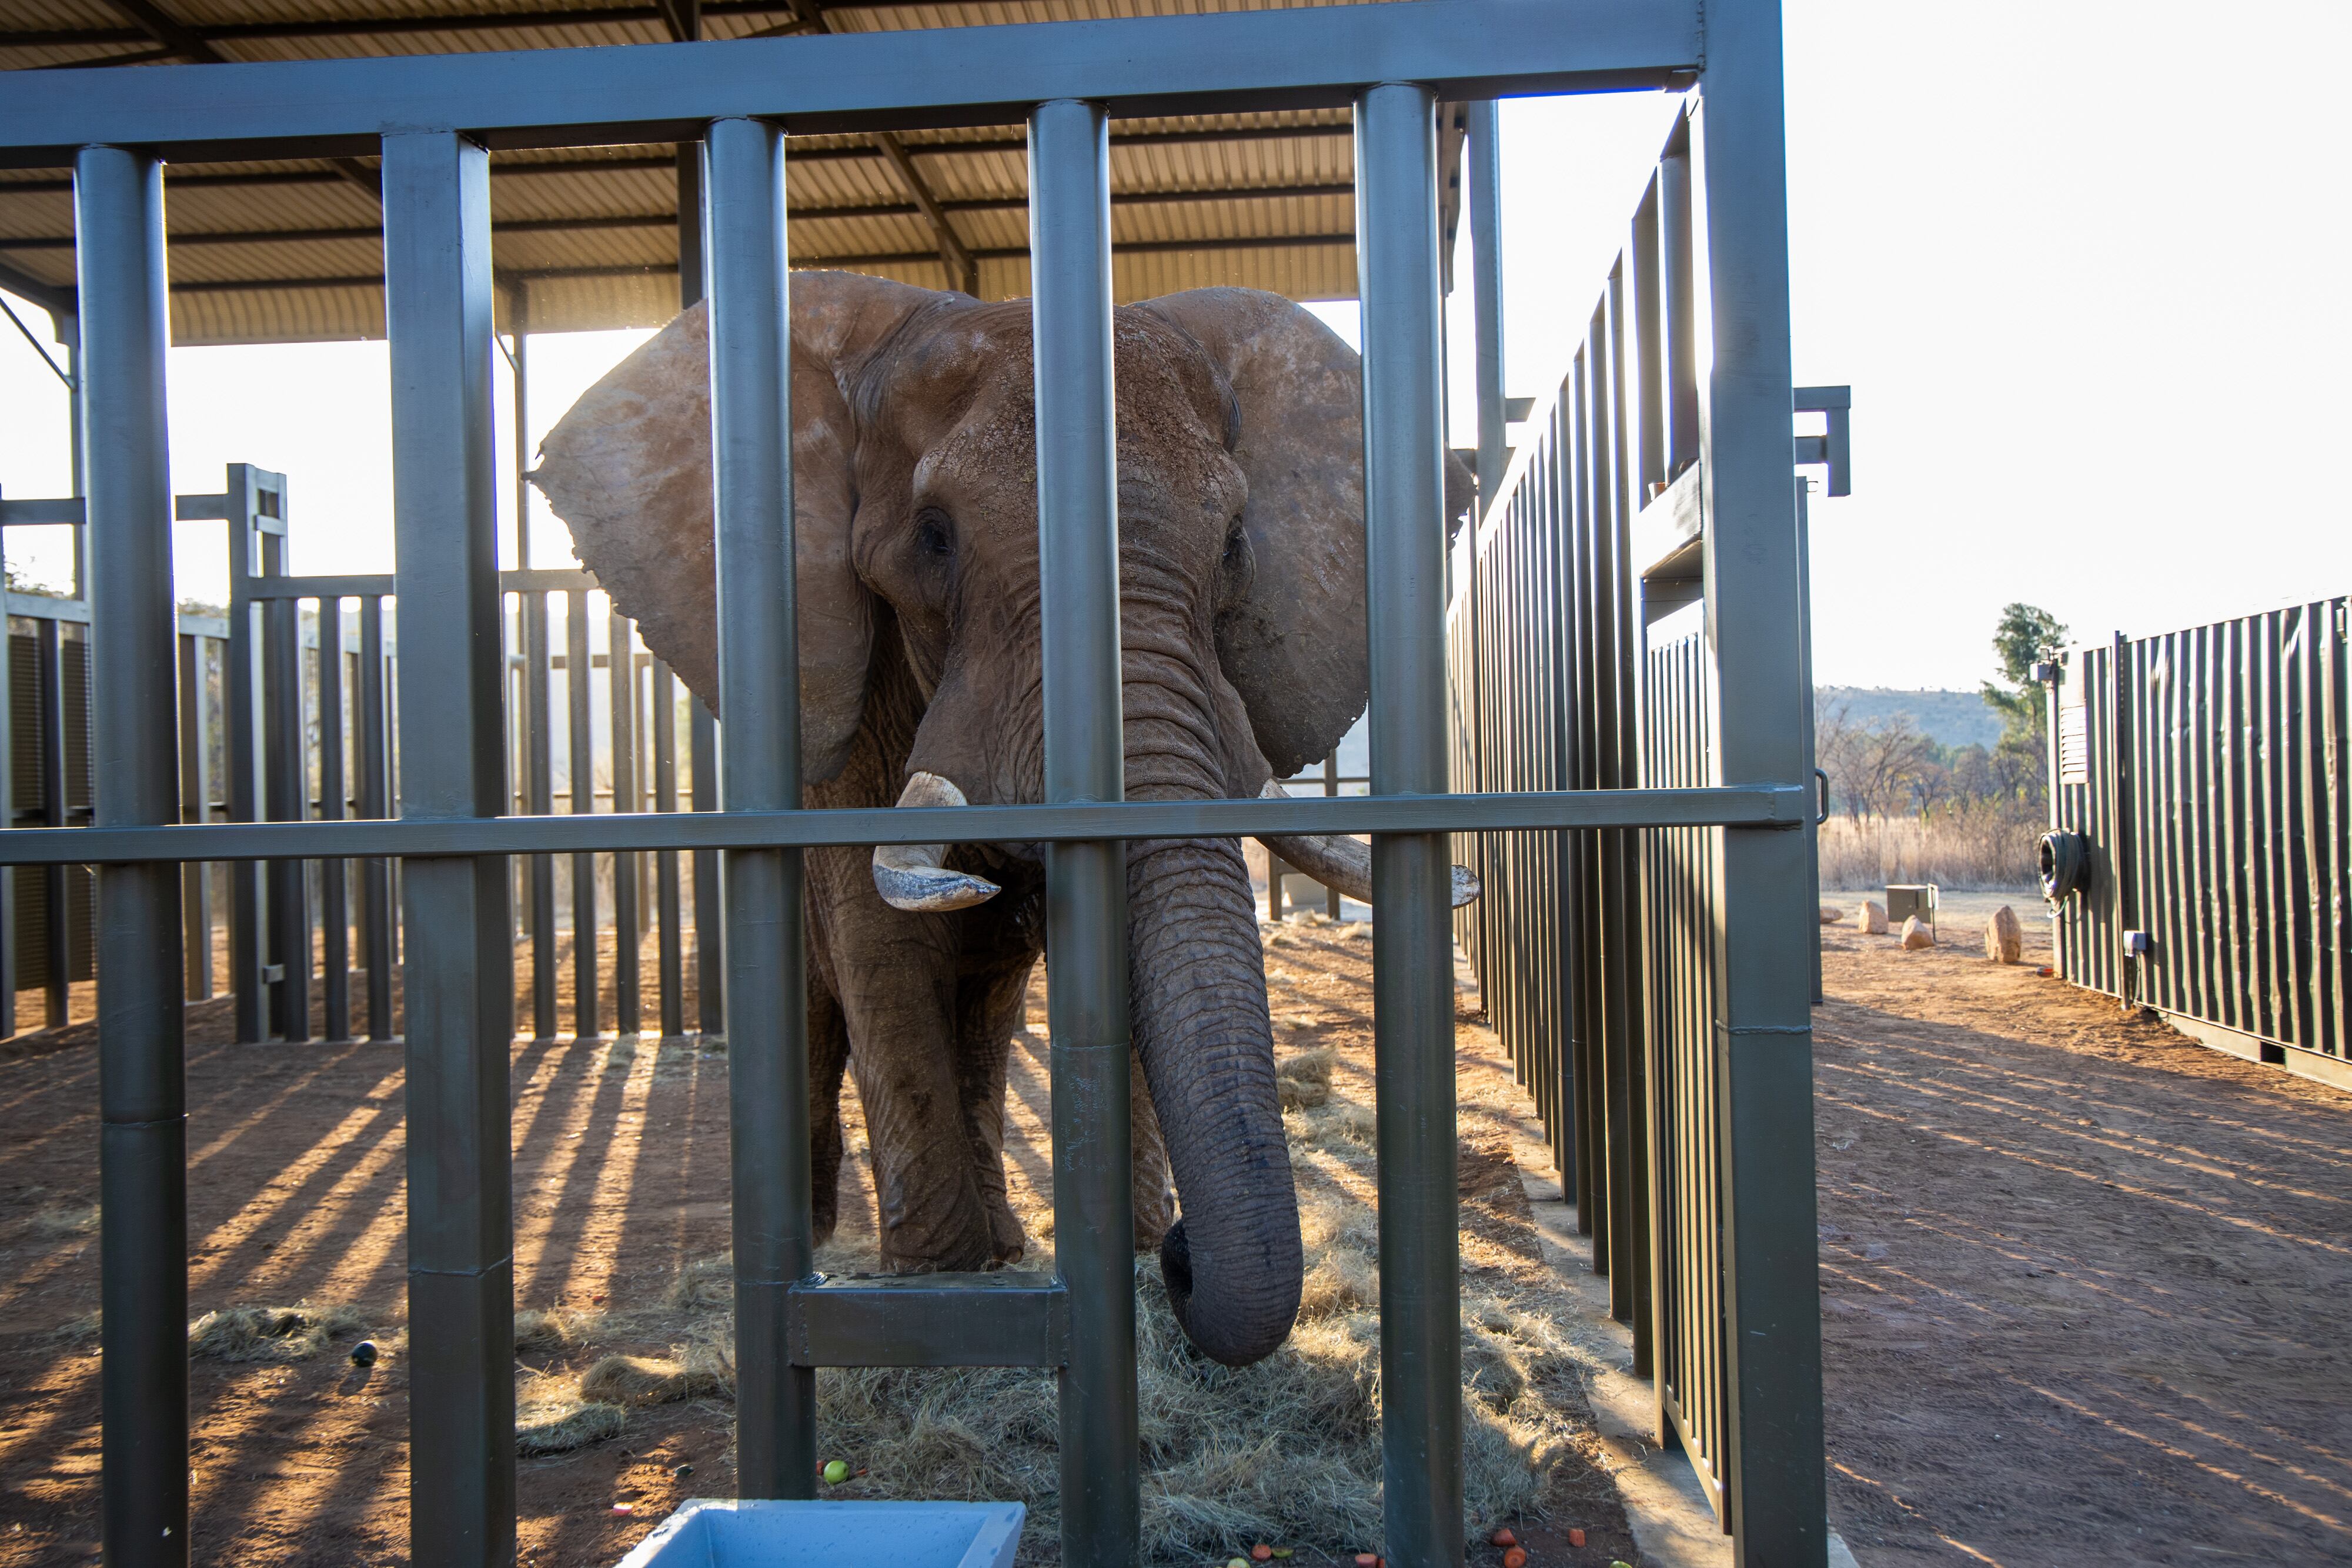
[(628, 221), (852, 153), (172, 34), (963, 272)]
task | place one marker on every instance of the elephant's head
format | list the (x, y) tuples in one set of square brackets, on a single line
[(1241, 628)]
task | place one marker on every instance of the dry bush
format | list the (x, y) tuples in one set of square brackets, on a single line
[(1985, 846), (270, 1334)]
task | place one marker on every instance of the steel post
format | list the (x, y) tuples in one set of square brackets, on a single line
[(1413, 957), (459, 989), (1086, 1001), (142, 1146), (334, 908), (582, 787), (1763, 1027), (377, 925), (759, 680), (1486, 200), (620, 663)]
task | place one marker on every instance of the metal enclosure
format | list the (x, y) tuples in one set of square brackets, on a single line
[(1584, 656), (2207, 769), (1746, 1278)]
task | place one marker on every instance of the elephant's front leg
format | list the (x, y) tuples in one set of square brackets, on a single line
[(992, 999), (895, 978)]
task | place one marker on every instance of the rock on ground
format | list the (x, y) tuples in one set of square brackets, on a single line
[(1870, 918), (1916, 934), (2005, 938)]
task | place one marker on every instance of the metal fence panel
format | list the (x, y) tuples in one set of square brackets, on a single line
[(2205, 771)]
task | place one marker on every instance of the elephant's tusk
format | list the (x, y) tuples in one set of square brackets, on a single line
[(914, 877), (1345, 864)]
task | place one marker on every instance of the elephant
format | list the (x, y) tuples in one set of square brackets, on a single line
[(1243, 649)]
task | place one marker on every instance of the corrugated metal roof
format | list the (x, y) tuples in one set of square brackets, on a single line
[(587, 238)]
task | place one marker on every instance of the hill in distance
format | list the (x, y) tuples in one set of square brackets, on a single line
[(1946, 717)]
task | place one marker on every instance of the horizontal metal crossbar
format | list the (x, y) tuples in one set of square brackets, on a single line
[(374, 585), (1210, 64), (1009, 1319), (1736, 806)]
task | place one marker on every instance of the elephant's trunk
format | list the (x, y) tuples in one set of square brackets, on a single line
[(1344, 864), (1198, 997)]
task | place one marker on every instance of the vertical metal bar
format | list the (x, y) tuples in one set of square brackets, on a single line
[(621, 664), (759, 679), (143, 1148), (11, 970), (240, 676), (665, 889), (539, 729), (459, 979), (1805, 679), (1763, 1026), (56, 921), (1413, 976), (709, 928), (1332, 787), (195, 793), (286, 792), (1085, 884), (1274, 873), (334, 911), (702, 733), (538, 744), (375, 801), (583, 786), (1678, 268), (1486, 195)]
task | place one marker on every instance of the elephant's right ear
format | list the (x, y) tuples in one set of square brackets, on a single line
[(628, 468)]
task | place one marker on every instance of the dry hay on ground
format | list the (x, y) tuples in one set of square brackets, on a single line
[(620, 1184)]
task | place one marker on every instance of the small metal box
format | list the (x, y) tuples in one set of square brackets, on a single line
[(1906, 899)]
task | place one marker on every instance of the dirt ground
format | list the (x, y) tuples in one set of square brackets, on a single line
[(2085, 1284), (295, 1197)]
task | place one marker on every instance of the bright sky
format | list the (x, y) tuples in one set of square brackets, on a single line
[(2080, 262)]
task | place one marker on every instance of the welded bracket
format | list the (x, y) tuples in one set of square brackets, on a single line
[(1009, 1319)]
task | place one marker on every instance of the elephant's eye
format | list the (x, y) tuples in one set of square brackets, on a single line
[(934, 535), (1236, 543)]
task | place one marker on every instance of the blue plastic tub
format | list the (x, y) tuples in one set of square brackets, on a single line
[(717, 1533)]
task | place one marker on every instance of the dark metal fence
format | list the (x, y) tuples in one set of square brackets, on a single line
[(286, 714), (2206, 772), (1581, 660), (454, 839)]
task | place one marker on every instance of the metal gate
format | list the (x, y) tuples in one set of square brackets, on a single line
[(432, 118), (2204, 773)]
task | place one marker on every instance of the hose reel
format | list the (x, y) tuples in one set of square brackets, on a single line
[(2065, 865)]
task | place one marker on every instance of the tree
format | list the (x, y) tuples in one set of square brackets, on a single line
[(1875, 765), (2022, 638)]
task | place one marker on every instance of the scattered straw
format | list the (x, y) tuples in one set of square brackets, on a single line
[(66, 1219), (552, 1417), (643, 1380), (270, 1334), (537, 1331), (706, 1284), (1304, 1080)]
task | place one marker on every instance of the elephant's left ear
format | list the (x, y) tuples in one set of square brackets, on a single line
[(629, 469), (1296, 647)]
